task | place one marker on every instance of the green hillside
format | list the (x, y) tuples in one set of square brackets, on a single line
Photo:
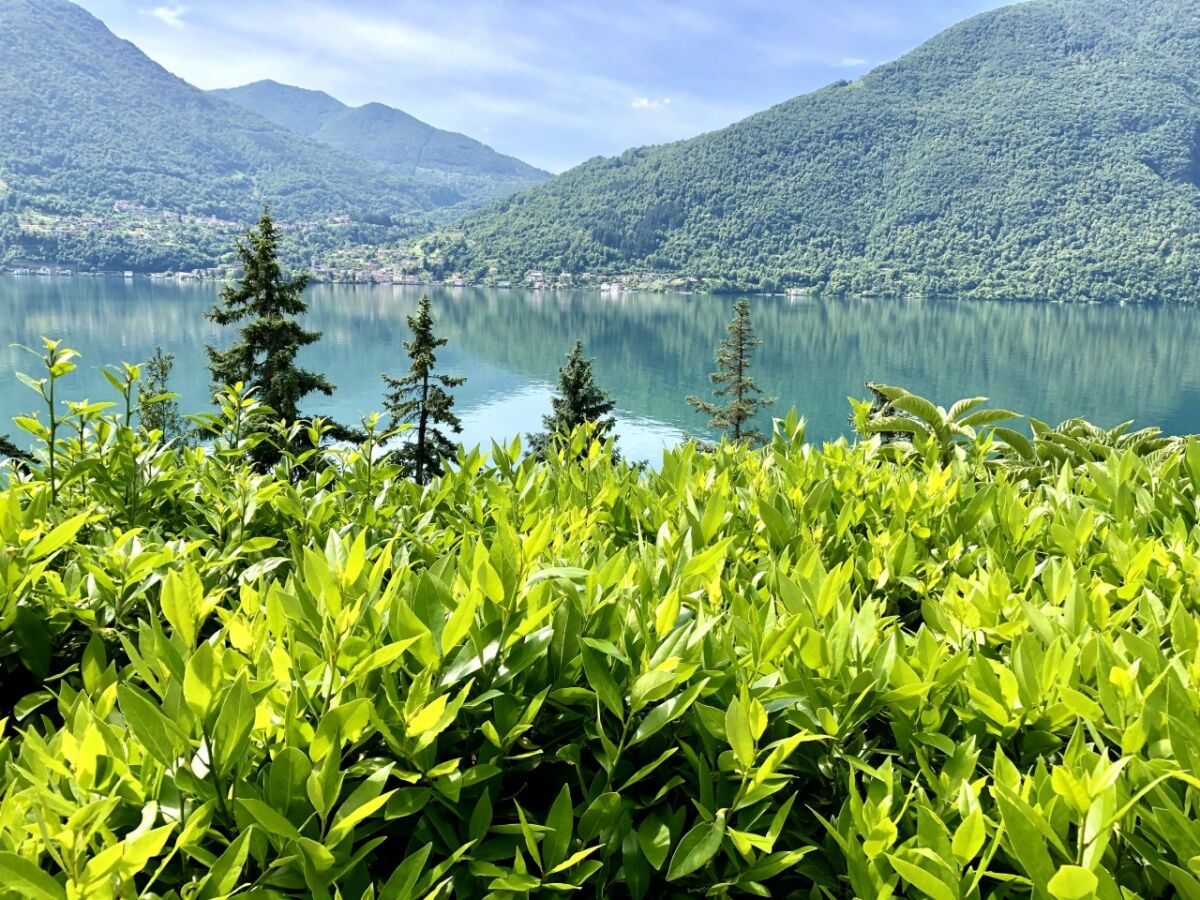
[(1046, 149), (91, 126), (389, 138)]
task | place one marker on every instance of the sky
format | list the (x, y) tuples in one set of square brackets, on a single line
[(553, 82)]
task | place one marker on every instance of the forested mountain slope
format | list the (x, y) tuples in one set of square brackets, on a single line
[(1050, 148), (89, 121), (390, 138)]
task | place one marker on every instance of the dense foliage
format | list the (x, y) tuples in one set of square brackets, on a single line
[(390, 138), (828, 671), (144, 240), (1051, 148)]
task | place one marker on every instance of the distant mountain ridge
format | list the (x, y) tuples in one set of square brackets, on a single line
[(107, 160), (296, 109), (89, 120), (1046, 149), (389, 138)]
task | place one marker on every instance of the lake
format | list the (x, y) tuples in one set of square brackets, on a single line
[(1107, 363)]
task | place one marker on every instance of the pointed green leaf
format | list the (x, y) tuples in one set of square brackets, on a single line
[(19, 875), (969, 836), (226, 873), (922, 880), (270, 820), (1073, 883), (159, 735), (654, 837), (697, 848), (737, 732), (235, 721)]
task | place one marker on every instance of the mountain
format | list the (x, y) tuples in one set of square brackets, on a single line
[(389, 138), (1047, 149), (293, 108), (107, 159)]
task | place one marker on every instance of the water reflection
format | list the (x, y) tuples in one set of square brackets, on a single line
[(1108, 363)]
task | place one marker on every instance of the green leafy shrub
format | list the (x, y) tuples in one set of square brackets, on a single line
[(819, 671)]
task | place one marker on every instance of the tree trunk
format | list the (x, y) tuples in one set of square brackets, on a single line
[(422, 421)]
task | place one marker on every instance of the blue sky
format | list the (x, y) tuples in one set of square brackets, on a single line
[(553, 82)]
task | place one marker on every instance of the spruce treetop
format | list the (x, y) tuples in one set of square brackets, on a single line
[(157, 404), (578, 400), (423, 399), (741, 393), (265, 301)]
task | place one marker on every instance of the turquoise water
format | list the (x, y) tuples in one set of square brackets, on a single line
[(1108, 363)]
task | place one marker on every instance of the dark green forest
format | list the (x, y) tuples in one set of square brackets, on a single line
[(1048, 149), (167, 246)]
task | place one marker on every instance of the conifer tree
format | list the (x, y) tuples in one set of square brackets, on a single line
[(9, 450), (266, 302), (423, 399), (158, 408), (578, 401), (740, 393)]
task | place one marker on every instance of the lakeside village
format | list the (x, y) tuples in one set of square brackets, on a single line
[(415, 265), (657, 282), (534, 280)]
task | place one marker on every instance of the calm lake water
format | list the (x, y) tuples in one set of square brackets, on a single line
[(1108, 363)]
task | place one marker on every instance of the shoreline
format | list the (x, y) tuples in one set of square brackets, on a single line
[(372, 280)]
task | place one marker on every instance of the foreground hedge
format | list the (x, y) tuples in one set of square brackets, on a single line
[(797, 671)]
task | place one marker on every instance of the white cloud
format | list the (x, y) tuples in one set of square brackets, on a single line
[(170, 15), (651, 103), (851, 62), (316, 27)]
